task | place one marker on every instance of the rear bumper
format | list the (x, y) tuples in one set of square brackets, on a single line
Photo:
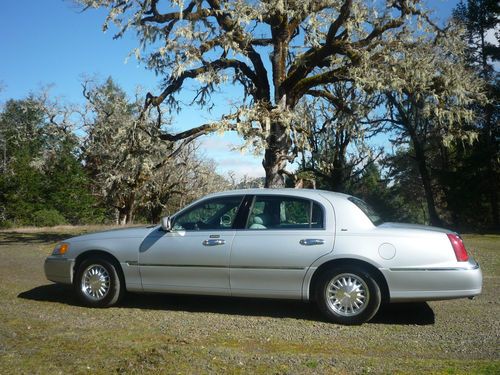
[(59, 270), (427, 284)]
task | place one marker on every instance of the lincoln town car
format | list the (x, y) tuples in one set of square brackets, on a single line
[(308, 245)]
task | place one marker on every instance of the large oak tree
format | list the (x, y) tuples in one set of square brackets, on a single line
[(278, 51)]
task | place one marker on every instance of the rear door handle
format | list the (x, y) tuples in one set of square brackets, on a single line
[(216, 242), (311, 241)]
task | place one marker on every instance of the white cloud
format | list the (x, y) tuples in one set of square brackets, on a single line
[(215, 143), (223, 149), (241, 166)]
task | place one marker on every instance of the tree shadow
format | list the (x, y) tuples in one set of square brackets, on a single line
[(410, 313), (57, 293), (7, 238), (401, 314)]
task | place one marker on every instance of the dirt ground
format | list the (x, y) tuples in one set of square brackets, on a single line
[(44, 330)]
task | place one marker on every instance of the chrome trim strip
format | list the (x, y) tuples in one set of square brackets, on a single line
[(131, 263), (268, 268), (473, 267), (177, 265)]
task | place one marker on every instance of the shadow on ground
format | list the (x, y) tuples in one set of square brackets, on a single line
[(402, 314), (8, 238)]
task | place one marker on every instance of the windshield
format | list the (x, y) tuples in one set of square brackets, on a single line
[(368, 210)]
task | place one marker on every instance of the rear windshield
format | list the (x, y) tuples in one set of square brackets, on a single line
[(368, 210)]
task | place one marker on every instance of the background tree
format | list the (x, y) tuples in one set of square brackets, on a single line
[(118, 155), (310, 43), (41, 181), (21, 183), (407, 197), (179, 181), (481, 20), (132, 171), (431, 102), (339, 128)]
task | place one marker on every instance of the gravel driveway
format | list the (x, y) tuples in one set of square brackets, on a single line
[(43, 330)]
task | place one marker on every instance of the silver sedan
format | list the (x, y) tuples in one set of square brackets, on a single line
[(273, 243)]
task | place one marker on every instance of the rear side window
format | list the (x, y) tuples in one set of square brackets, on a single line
[(277, 212), (367, 210)]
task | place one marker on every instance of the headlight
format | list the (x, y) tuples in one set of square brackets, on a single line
[(61, 248)]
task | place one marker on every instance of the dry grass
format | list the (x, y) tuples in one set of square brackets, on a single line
[(64, 229), (43, 330)]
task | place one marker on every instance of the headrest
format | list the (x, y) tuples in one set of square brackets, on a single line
[(258, 220)]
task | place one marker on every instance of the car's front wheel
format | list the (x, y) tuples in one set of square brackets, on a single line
[(348, 295), (97, 283)]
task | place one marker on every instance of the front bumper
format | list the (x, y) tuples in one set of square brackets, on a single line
[(427, 284), (59, 269)]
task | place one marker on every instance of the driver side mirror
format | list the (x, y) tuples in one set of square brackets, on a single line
[(166, 223)]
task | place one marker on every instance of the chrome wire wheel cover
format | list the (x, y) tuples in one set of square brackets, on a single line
[(95, 282), (347, 294)]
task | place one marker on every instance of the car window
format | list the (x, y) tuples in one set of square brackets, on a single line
[(367, 210), (276, 212), (213, 214)]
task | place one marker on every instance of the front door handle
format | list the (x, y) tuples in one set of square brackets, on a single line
[(311, 241), (216, 242)]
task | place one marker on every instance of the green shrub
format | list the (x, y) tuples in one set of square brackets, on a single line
[(48, 218), (6, 224)]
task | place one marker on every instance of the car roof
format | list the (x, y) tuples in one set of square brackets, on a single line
[(305, 193)]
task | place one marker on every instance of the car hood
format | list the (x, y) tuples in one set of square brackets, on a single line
[(134, 232), (413, 226)]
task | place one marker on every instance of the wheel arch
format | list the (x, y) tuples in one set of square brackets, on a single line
[(370, 268), (102, 254)]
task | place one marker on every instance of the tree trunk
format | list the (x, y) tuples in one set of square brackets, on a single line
[(336, 178), (126, 212), (337, 182), (272, 166), (490, 138), (156, 213), (122, 217), (426, 182), (275, 156), (492, 172), (278, 142), (339, 173)]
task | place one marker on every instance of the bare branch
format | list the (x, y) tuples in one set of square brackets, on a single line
[(345, 10), (338, 102), (188, 134), (176, 83)]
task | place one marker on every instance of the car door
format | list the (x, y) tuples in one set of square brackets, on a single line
[(194, 256), (283, 236)]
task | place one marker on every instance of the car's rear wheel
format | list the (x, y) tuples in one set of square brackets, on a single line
[(348, 295), (97, 283)]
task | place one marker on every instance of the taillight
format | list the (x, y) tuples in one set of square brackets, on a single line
[(458, 247)]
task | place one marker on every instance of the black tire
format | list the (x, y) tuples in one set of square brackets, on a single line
[(338, 308), (97, 283)]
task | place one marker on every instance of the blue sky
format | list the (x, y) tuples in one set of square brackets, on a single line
[(52, 42)]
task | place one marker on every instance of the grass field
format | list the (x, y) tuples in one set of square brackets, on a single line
[(43, 330)]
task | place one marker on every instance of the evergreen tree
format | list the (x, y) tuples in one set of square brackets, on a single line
[(41, 181), (481, 165)]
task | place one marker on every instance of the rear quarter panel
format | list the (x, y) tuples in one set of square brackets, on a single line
[(357, 238)]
